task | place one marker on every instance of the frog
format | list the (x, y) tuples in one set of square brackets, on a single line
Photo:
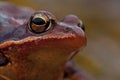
[(34, 45)]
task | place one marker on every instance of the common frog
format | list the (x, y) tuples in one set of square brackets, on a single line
[(36, 46)]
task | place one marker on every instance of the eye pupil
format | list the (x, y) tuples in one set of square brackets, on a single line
[(38, 21)]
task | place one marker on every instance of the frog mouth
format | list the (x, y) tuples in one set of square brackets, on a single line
[(36, 39), (68, 40)]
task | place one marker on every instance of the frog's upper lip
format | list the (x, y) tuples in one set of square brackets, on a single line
[(33, 38), (65, 39)]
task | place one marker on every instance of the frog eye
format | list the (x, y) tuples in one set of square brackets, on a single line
[(3, 60), (81, 25), (39, 23)]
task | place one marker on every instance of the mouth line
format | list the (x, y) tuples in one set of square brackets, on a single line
[(37, 38)]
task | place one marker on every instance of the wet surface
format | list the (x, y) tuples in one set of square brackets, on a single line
[(101, 58)]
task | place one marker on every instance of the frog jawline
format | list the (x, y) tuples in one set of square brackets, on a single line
[(34, 38)]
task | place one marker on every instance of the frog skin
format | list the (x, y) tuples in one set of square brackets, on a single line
[(36, 46)]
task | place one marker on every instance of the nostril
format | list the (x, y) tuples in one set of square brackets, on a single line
[(68, 29), (82, 26), (73, 20)]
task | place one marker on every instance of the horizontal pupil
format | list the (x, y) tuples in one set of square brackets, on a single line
[(38, 21)]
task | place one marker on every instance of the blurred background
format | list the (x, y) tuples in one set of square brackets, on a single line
[(100, 60)]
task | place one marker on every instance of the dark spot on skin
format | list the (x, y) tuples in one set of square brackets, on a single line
[(65, 75), (3, 60)]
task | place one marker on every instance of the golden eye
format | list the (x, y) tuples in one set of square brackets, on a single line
[(39, 23)]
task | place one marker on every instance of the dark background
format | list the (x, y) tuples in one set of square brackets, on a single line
[(100, 60)]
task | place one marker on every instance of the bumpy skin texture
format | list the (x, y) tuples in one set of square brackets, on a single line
[(25, 55)]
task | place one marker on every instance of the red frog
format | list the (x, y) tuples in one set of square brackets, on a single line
[(36, 46)]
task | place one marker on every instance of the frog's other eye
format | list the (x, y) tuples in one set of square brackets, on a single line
[(39, 23), (81, 25), (3, 60)]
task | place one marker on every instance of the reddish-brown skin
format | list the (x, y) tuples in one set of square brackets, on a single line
[(43, 56)]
